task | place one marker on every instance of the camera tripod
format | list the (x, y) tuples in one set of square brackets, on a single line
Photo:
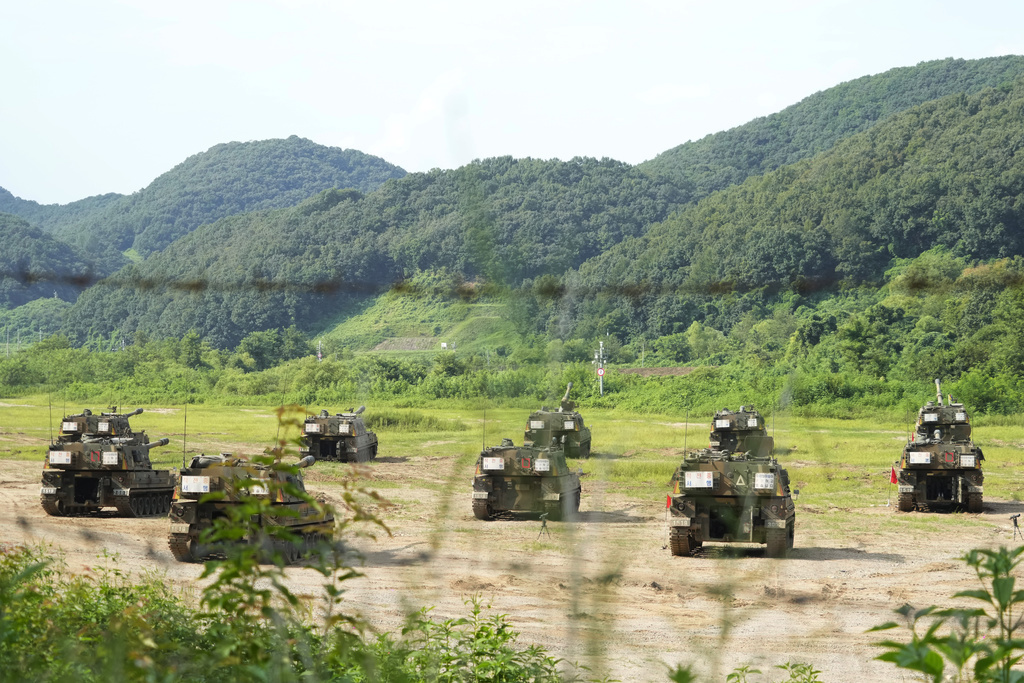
[(544, 526), (1016, 529)]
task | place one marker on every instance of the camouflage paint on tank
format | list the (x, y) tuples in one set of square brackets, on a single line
[(341, 438), (98, 462), (559, 428), (940, 467), (210, 485), (734, 491), (525, 479)]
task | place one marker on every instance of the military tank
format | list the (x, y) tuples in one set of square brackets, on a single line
[(97, 462), (563, 427), (941, 466), (525, 479), (212, 484), (342, 437), (733, 492)]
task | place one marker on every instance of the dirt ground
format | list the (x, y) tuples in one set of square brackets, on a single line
[(605, 591)]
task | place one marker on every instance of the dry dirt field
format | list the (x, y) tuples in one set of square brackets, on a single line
[(604, 592)]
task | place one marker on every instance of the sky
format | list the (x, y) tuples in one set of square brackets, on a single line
[(107, 95)]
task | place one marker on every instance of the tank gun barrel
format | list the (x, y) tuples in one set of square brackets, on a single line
[(359, 410), (137, 411), (306, 462), (161, 442), (567, 390), (938, 392)]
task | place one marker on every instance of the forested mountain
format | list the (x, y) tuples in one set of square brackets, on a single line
[(33, 265), (225, 180), (818, 122), (947, 174), (51, 217), (503, 219)]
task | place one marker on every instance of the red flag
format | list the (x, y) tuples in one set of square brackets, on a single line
[(668, 501), (892, 476)]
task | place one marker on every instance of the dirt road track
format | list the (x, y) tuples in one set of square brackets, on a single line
[(603, 592)]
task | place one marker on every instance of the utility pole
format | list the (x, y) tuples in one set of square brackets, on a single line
[(320, 352), (599, 362)]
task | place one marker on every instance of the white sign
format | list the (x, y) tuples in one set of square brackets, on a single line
[(494, 463), (60, 457), (920, 457), (541, 465), (312, 428), (752, 422), (570, 425), (103, 427), (967, 461), (536, 424), (110, 458), (69, 426), (764, 480), (722, 424), (344, 428), (258, 490), (700, 480), (195, 484), (931, 417), (961, 417), (600, 372)]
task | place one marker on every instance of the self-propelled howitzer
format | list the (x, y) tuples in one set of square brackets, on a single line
[(735, 491), (342, 437), (98, 462), (941, 466), (211, 485), (525, 479)]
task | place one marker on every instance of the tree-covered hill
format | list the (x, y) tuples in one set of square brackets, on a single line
[(501, 219), (818, 122), (948, 173), (33, 265), (227, 179), (51, 217)]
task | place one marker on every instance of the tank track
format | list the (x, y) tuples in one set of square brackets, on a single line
[(183, 550), (482, 510), (180, 547), (679, 542), (144, 504), (905, 502), (55, 508), (51, 508), (777, 541)]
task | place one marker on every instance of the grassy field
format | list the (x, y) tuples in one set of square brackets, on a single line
[(834, 463)]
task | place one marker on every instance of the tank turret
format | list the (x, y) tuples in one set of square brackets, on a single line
[(563, 428)]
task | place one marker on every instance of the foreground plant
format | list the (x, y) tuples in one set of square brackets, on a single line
[(980, 644)]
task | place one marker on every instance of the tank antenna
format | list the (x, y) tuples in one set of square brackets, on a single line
[(686, 426), (49, 400), (483, 438), (184, 429)]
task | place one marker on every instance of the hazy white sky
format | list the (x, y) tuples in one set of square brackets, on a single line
[(104, 96)]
